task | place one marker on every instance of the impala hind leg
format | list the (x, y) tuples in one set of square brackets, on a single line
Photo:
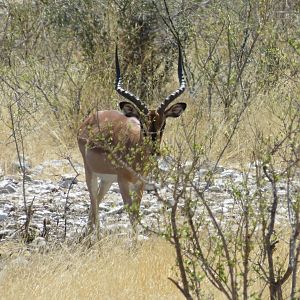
[(104, 186), (97, 193), (132, 195), (92, 184)]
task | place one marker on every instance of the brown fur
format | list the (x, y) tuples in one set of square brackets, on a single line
[(117, 146)]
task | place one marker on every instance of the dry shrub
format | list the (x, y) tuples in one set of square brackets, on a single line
[(52, 140)]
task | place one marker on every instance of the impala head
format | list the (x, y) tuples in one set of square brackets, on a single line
[(152, 121)]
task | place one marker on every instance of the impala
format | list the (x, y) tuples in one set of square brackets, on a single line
[(116, 146)]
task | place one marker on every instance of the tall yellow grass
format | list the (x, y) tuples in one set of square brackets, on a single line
[(110, 270)]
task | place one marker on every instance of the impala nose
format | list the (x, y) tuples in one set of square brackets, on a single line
[(154, 141)]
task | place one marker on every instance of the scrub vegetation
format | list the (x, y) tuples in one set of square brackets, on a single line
[(241, 63)]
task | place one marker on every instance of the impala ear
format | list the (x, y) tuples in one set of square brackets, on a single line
[(129, 109), (175, 110)]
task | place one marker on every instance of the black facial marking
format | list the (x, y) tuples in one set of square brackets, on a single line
[(153, 136), (153, 132)]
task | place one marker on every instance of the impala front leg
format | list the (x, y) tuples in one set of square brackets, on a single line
[(136, 192)]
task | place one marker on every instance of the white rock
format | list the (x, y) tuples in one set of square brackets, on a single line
[(3, 215), (54, 163), (51, 187), (7, 187), (5, 232), (151, 186), (215, 189), (281, 193), (115, 188), (142, 237), (8, 207), (68, 180), (228, 202), (4, 182), (228, 173), (221, 210), (147, 211), (22, 218), (118, 227), (117, 210), (165, 164), (104, 207), (202, 172), (188, 164), (238, 178)]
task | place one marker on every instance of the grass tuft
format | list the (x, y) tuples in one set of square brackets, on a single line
[(108, 270)]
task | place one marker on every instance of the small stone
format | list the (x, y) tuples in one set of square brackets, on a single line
[(281, 192), (221, 210), (228, 174), (115, 188), (7, 187), (150, 187), (228, 202), (68, 180), (215, 189), (202, 172), (117, 227), (188, 164), (142, 237), (238, 178), (8, 207), (4, 233), (54, 163), (117, 210), (4, 182), (165, 164), (147, 211), (104, 207), (27, 177), (51, 187), (3, 216)]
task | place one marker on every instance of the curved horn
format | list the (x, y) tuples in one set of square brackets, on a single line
[(135, 100), (179, 91)]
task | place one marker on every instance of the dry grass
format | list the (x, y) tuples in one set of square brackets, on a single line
[(45, 139), (110, 270), (260, 118)]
